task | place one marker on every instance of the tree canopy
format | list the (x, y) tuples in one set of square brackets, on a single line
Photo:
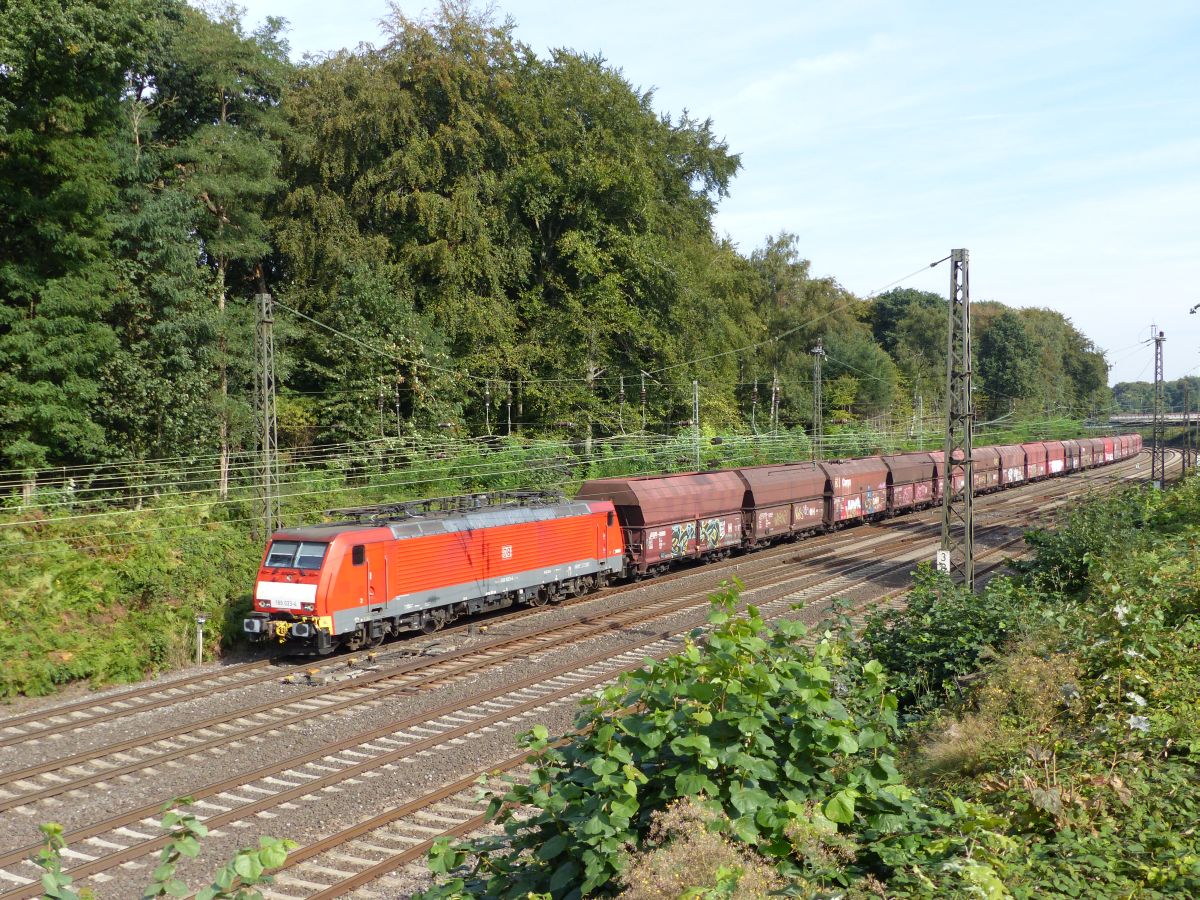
[(449, 222)]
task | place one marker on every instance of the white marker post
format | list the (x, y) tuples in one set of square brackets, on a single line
[(943, 561), (201, 618)]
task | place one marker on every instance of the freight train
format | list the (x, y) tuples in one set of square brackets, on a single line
[(416, 566)]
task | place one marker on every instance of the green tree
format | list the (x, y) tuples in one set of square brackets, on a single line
[(62, 70), (911, 326), (220, 89), (535, 222), (1006, 362)]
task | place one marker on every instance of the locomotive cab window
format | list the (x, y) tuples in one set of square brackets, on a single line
[(358, 555), (281, 554), (610, 520), (296, 555), (310, 556)]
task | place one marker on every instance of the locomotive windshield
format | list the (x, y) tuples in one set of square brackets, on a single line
[(295, 555)]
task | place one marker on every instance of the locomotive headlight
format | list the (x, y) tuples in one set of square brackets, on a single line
[(308, 607)]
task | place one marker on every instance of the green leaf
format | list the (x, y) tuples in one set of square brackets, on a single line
[(248, 867), (840, 807), (697, 742), (602, 766), (652, 739), (553, 847), (690, 784), (564, 876), (745, 828), (225, 877), (626, 807), (272, 857), (748, 800)]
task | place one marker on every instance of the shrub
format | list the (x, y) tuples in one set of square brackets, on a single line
[(236, 880), (763, 732), (941, 634)]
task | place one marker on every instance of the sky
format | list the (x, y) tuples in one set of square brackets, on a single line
[(1058, 142)]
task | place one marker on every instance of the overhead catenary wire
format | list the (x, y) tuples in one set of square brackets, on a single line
[(123, 465), (522, 465), (836, 442), (103, 542), (517, 467)]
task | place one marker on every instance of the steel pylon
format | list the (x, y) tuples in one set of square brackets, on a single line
[(957, 554)]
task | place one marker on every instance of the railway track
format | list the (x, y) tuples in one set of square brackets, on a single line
[(38, 782), (122, 839), (371, 851), (364, 756), (88, 712)]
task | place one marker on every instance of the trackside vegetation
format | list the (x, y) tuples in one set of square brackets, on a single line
[(1039, 741), (238, 879), (464, 239)]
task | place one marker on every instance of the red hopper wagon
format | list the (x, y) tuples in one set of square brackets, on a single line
[(697, 515)]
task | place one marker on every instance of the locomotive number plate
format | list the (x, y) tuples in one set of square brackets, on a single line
[(285, 604)]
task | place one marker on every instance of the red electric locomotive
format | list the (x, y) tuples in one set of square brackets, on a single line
[(417, 566)]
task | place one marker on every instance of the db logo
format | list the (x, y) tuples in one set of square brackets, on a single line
[(506, 551)]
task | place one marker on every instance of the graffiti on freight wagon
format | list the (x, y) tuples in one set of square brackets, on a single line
[(712, 532), (682, 537)]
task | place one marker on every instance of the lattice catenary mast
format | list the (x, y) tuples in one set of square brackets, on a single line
[(265, 415), (1158, 459), (818, 435), (957, 553)]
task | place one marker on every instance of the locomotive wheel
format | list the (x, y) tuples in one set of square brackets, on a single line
[(434, 621), (540, 597)]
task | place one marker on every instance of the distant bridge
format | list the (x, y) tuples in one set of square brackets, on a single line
[(1147, 418)]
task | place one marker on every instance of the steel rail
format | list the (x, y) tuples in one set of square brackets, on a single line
[(145, 812), (413, 853), (517, 645), (823, 544), (820, 543)]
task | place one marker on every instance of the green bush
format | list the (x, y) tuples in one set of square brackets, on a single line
[(764, 729), (941, 634), (236, 880)]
